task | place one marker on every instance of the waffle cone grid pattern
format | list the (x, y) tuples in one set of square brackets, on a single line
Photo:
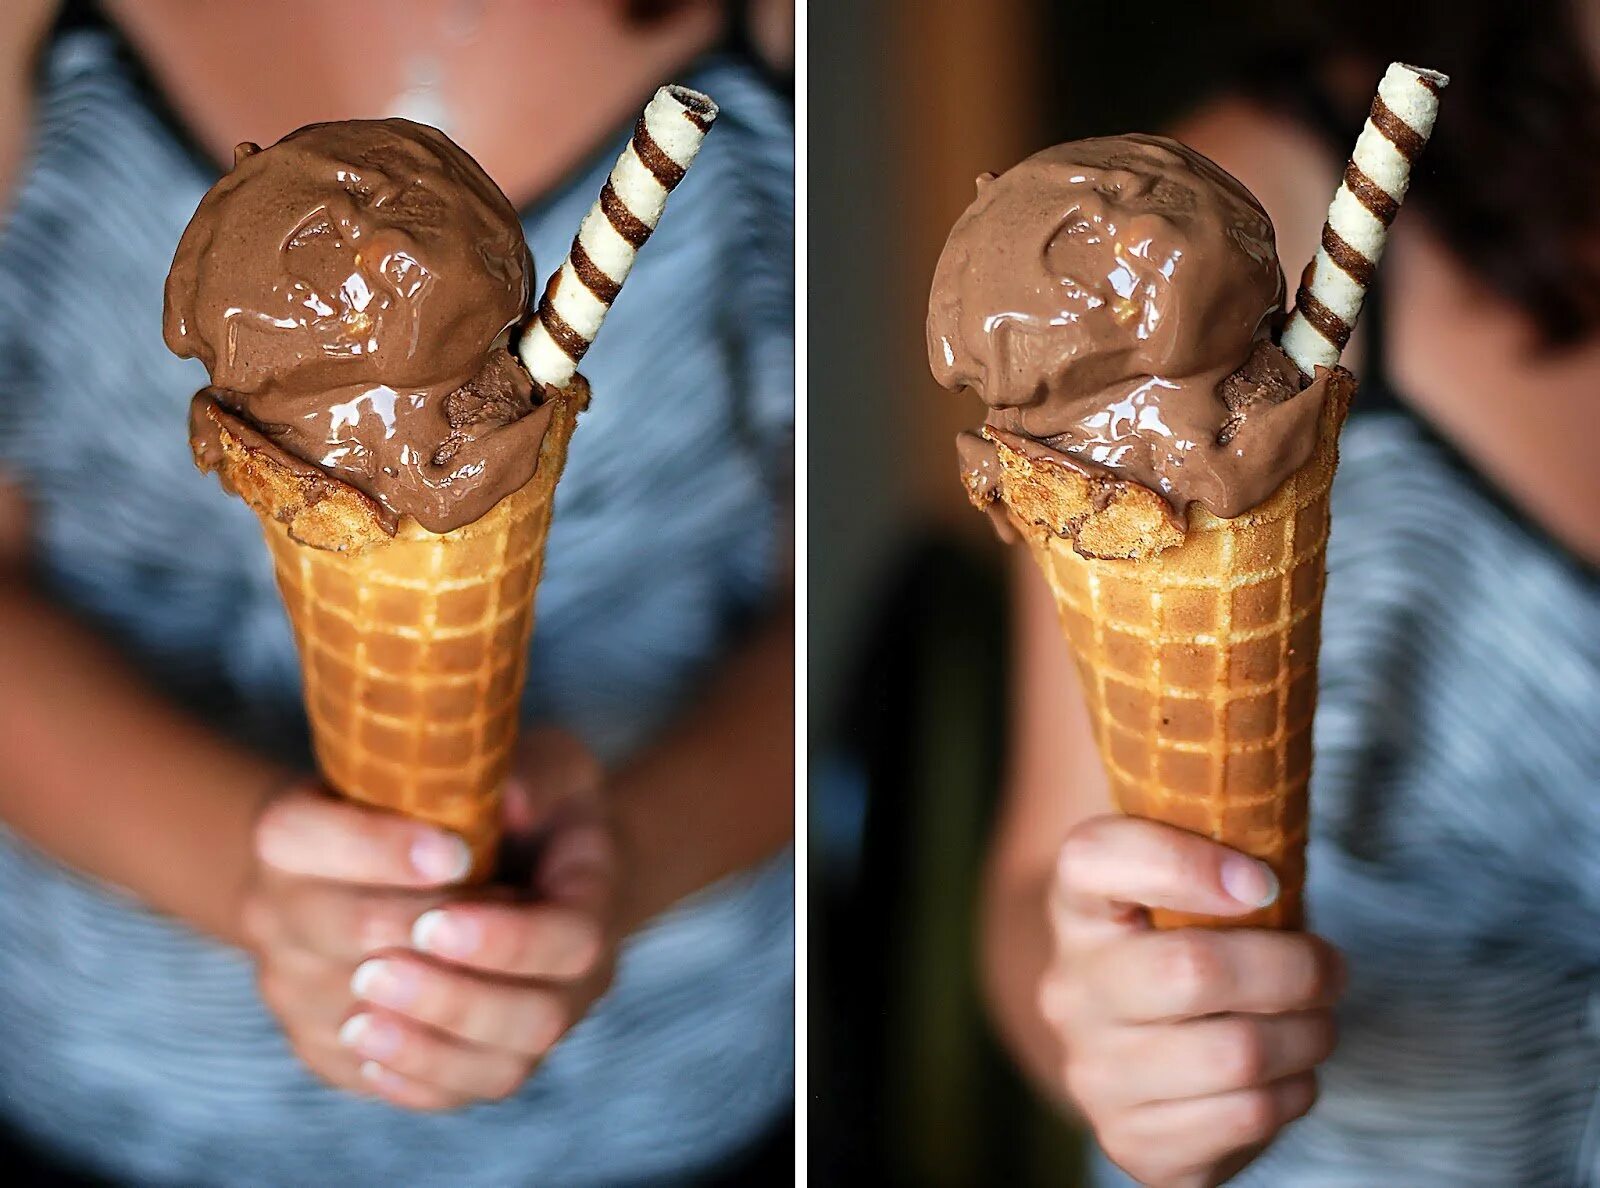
[(414, 653), (1199, 669)]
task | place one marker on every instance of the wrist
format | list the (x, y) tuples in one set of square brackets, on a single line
[(645, 852), (631, 909)]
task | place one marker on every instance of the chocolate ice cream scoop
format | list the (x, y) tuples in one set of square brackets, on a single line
[(1100, 297), (352, 291)]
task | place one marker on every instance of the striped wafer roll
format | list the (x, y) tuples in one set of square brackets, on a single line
[(1375, 183), (665, 142)]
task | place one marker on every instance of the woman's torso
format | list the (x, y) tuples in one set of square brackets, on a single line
[(133, 1045)]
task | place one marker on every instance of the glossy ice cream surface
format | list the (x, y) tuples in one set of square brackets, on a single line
[(1113, 301), (352, 291)]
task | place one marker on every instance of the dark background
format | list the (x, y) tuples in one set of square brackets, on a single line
[(912, 99)]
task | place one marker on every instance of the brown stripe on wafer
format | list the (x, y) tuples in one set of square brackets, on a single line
[(1406, 139), (623, 221), (1322, 319), (550, 287), (562, 334), (1354, 263), (1370, 194), (586, 270), (699, 110), (665, 170)]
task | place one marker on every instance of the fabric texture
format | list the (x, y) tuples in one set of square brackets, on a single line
[(134, 1047)]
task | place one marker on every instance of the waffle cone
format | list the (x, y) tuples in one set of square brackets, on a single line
[(1199, 667), (414, 647)]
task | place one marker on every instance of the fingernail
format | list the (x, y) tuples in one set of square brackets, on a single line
[(385, 983), (438, 931), (1249, 881), (377, 1039), (440, 857), (354, 1027), (375, 1074)]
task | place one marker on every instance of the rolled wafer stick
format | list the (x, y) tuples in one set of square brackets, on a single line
[(665, 142), (1375, 183)]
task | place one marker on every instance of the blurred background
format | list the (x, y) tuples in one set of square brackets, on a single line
[(907, 593)]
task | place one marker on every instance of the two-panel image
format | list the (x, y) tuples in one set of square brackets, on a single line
[(615, 593)]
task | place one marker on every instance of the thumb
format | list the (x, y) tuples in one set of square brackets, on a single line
[(306, 833)]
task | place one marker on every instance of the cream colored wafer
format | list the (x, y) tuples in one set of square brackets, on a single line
[(1353, 237), (665, 142)]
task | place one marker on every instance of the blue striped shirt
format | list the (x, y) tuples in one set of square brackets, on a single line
[(131, 1045)]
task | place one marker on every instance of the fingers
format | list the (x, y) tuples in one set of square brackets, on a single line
[(1109, 864), (314, 836), (1136, 1066), (336, 921), (517, 940), (1150, 977), (517, 1017), (437, 1067), (1169, 1138), (342, 1066)]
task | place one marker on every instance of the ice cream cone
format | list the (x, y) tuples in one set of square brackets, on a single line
[(413, 647), (1199, 664)]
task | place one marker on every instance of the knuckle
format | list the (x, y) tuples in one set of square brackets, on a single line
[(1300, 1094), (548, 1026), (455, 1011), (258, 920), (1249, 1118), (1082, 845), (381, 923), (508, 1081), (1188, 964), (1326, 1036), (1054, 998), (1085, 1082), (1307, 968), (270, 983), (1241, 1052)]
